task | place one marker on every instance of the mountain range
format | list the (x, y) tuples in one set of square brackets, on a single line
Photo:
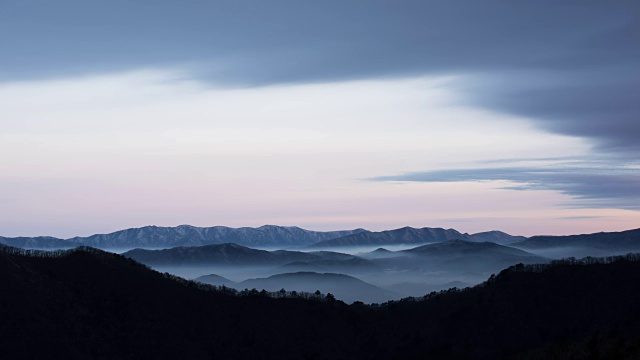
[(271, 236), (408, 235), (622, 240), (185, 235)]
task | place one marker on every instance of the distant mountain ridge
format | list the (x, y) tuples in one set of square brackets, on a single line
[(158, 237), (620, 240), (224, 254), (408, 236), (186, 235), (497, 237), (38, 242)]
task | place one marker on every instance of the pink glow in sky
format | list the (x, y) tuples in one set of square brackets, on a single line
[(85, 155)]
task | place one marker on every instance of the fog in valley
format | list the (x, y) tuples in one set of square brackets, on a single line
[(358, 265), (375, 274), (370, 274)]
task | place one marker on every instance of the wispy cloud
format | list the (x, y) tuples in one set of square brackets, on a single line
[(580, 217), (593, 102), (602, 186)]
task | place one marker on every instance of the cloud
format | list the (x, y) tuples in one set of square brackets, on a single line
[(571, 67), (597, 103), (589, 186), (283, 41)]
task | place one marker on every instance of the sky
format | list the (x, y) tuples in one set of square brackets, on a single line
[(475, 115)]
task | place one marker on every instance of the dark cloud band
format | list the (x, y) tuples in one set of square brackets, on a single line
[(604, 187), (573, 67)]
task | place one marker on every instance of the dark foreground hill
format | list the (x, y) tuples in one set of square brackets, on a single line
[(88, 304)]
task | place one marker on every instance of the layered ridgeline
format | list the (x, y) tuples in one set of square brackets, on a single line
[(622, 240), (466, 256), (186, 235), (453, 253), (598, 244), (343, 287), (409, 235), (411, 272), (292, 237), (414, 271), (38, 242), (228, 254), (264, 236), (89, 304)]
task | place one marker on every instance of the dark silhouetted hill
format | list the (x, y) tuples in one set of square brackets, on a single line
[(88, 304), (420, 289)]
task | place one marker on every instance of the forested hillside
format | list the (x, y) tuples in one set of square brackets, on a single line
[(89, 304)]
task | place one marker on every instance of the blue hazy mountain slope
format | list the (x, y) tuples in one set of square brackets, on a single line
[(622, 240), (38, 242), (223, 254), (343, 287), (409, 235)]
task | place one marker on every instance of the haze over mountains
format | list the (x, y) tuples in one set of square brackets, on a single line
[(430, 255), (623, 240), (422, 267), (343, 287), (226, 254), (469, 256), (428, 259)]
